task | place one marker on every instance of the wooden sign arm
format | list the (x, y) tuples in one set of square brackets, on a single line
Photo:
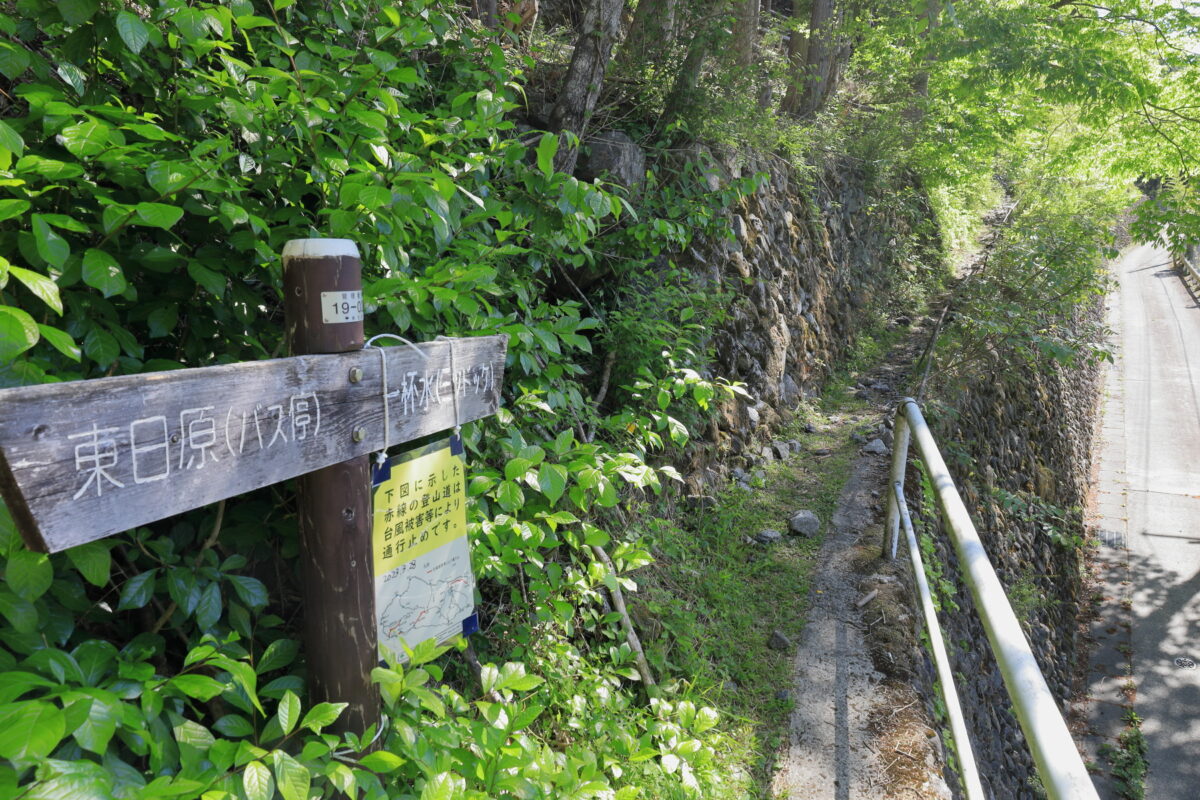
[(85, 459)]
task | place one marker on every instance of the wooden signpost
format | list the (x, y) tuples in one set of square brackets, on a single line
[(83, 460)]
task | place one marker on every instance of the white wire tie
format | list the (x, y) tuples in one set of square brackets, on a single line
[(381, 456)]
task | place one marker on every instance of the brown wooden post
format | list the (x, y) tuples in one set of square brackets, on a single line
[(322, 282)]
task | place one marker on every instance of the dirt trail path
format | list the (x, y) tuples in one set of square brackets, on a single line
[(858, 732), (829, 753)]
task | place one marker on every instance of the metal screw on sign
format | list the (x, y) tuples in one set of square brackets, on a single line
[(1185, 663)]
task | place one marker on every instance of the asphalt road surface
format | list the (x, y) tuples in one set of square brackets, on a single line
[(1147, 512)]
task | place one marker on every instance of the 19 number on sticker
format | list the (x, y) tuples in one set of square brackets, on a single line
[(341, 307)]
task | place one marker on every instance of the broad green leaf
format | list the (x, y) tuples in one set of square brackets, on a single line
[(162, 321), (321, 715), (93, 560), (249, 22), (374, 197), (60, 341), (14, 60), (87, 138), (132, 31), (49, 168), (343, 778), (21, 614), (288, 712), (101, 346), (234, 213), (98, 728), (194, 734), (516, 468), (510, 496), (552, 481), (30, 729), (15, 683), (40, 285), (439, 787), (546, 150), (127, 341), (208, 610), (278, 686), (526, 717), (257, 781), (77, 12), (292, 777), (214, 282), (183, 588), (72, 786), (50, 246), (158, 215), (137, 591), (381, 761), (18, 332), (564, 441), (608, 494), (10, 140), (705, 718), (251, 590), (28, 574), (201, 687), (525, 683), (12, 208), (234, 725), (278, 655), (101, 271), (244, 676), (114, 216), (167, 177), (66, 223)]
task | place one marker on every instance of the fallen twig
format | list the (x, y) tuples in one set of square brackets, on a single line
[(635, 644)]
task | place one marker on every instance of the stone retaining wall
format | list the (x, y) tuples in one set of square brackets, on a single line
[(811, 267), (1013, 437)]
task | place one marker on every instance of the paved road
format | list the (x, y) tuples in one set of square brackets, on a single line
[(1147, 510)]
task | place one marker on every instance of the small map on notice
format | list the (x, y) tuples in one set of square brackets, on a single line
[(424, 587)]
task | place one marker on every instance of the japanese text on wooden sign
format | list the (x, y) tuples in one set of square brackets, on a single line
[(82, 460)]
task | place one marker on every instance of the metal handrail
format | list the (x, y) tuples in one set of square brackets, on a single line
[(1189, 267), (1058, 762)]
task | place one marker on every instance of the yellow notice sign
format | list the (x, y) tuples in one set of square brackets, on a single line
[(424, 587)]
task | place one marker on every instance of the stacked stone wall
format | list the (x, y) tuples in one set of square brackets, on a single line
[(1016, 438)]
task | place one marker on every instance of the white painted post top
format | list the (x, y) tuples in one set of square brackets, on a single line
[(320, 248)]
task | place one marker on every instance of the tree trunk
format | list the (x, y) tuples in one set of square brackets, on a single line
[(745, 31), (933, 12), (485, 10), (651, 33), (585, 77), (813, 83), (687, 79), (797, 57)]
